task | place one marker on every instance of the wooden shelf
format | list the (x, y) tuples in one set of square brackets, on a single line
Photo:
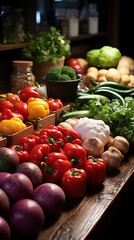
[(87, 36), (12, 46)]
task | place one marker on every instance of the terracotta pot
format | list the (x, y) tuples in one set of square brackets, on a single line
[(41, 69)]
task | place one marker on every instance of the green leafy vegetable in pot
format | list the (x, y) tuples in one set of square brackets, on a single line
[(105, 57), (61, 73), (69, 71), (54, 73), (64, 77), (48, 45)]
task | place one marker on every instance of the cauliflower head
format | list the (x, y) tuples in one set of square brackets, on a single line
[(89, 127)]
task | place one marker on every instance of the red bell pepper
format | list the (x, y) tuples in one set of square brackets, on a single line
[(22, 108), (70, 135), (6, 104), (26, 93), (76, 154), (52, 137), (73, 183), (28, 142), (37, 131), (8, 114), (39, 153), (51, 126), (23, 154), (55, 165), (54, 104), (96, 171)]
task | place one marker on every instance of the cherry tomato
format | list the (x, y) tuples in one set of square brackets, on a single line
[(54, 104), (72, 61), (11, 97), (6, 104), (78, 68)]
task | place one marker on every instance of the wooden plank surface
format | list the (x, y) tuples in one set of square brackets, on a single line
[(82, 219)]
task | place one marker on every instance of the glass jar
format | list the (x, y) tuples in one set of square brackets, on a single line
[(18, 25), (7, 24), (22, 75)]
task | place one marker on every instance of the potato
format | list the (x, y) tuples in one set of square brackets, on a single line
[(131, 83), (124, 70), (102, 79), (125, 79), (113, 75), (87, 78), (102, 72), (93, 69)]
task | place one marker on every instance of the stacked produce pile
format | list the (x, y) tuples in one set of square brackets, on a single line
[(107, 90), (123, 73)]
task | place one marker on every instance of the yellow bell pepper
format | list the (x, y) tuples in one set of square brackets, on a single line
[(10, 126), (37, 108)]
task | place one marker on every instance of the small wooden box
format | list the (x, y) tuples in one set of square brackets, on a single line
[(3, 141), (58, 112), (15, 138), (44, 122)]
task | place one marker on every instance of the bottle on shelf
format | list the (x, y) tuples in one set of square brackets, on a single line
[(84, 20), (73, 22), (93, 20)]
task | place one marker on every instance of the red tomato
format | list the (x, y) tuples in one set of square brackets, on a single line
[(6, 104), (54, 104), (11, 97), (72, 61), (78, 68)]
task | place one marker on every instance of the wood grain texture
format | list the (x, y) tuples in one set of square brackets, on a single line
[(82, 219)]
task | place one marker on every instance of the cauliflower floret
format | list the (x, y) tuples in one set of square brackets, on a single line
[(89, 127)]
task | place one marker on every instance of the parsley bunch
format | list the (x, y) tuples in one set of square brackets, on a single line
[(47, 46)]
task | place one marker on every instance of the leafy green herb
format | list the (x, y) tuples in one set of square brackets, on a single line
[(47, 46)]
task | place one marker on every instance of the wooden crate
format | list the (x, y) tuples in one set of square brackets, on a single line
[(3, 141), (15, 138), (44, 122), (58, 112)]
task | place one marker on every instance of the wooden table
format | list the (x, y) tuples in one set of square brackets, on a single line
[(82, 219)]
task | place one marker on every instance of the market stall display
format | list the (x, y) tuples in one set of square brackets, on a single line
[(74, 143)]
